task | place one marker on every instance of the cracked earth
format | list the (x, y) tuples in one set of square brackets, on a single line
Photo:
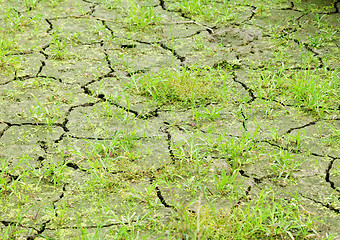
[(84, 147)]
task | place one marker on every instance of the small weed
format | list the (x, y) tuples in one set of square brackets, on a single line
[(295, 140), (103, 149), (108, 110), (274, 134), (199, 44), (236, 150), (192, 184), (8, 62), (326, 33), (49, 115), (212, 113), (205, 10), (274, 30), (227, 184), (106, 180), (89, 123), (60, 213), (12, 95), (189, 151), (271, 84), (30, 4), (284, 164), (333, 139), (141, 17), (53, 172), (318, 20), (270, 217), (58, 47), (14, 20)]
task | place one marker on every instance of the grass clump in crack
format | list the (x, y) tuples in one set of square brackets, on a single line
[(141, 17), (205, 10), (315, 91), (263, 218), (184, 88)]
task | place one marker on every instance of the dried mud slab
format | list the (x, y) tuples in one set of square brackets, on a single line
[(48, 102), (27, 144), (139, 57), (78, 64)]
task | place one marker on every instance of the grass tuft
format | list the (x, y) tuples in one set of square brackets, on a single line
[(187, 87), (263, 218)]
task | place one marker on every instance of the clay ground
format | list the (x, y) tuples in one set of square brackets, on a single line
[(124, 119)]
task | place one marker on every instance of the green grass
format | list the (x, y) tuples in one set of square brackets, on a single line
[(8, 62), (186, 87), (284, 164), (141, 17), (262, 218), (58, 47), (90, 166), (47, 114), (205, 10), (314, 91)]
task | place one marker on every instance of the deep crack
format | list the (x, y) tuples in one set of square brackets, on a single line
[(300, 127), (326, 205), (159, 195), (181, 58), (327, 177), (168, 138)]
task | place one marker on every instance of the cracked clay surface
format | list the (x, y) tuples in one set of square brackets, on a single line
[(87, 145)]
